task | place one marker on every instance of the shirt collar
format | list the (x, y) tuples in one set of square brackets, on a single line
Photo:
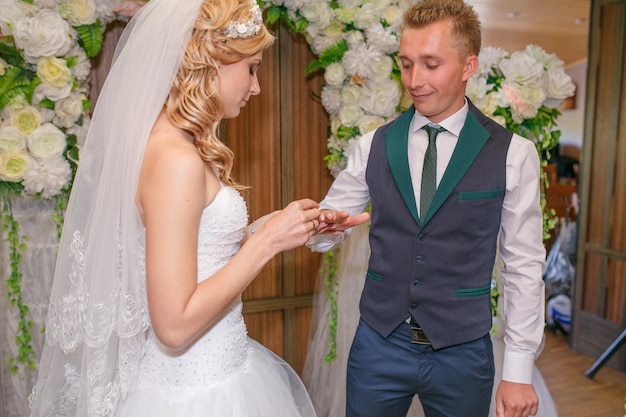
[(452, 124)]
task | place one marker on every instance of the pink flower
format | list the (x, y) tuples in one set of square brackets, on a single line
[(128, 7)]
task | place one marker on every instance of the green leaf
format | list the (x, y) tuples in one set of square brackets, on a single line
[(90, 37), (9, 52), (333, 53), (46, 103), (16, 81)]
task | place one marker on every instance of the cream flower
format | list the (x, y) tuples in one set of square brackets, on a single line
[(3, 66), (54, 71), (48, 140), (45, 34), (368, 123), (392, 15), (350, 115), (26, 119), (12, 139), (13, 165), (334, 74), (78, 12), (351, 93)]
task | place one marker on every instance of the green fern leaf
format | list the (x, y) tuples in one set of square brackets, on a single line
[(333, 53), (90, 37)]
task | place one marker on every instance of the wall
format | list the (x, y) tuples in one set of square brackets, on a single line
[(571, 122)]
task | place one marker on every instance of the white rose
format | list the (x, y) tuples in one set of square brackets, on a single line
[(69, 110), (13, 165), (560, 84), (393, 16), (351, 93), (521, 68), (48, 140), (12, 139), (47, 176), (53, 93), (369, 123), (334, 30), (26, 119), (317, 12), (380, 4), (548, 61), (380, 97), (382, 68), (78, 12), (54, 71), (345, 15), (12, 12), (334, 74), (293, 4), (45, 34), (366, 16), (350, 115), (476, 88)]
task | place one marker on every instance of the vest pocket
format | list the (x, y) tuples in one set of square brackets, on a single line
[(374, 276), (472, 292), (478, 195)]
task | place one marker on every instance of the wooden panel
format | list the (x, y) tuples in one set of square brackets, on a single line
[(280, 142), (600, 288)]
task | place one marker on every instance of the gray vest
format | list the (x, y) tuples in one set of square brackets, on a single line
[(438, 271)]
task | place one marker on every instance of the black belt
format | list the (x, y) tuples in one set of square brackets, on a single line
[(417, 335)]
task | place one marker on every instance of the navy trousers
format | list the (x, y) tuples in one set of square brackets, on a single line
[(385, 374)]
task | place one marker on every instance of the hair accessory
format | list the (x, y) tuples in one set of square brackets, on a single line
[(237, 29)]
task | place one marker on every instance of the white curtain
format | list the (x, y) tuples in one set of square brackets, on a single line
[(36, 222)]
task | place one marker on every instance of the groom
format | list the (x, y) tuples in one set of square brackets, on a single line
[(447, 185)]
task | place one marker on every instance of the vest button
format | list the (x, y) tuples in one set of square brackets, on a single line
[(421, 236), (414, 305), (417, 283), (419, 259)]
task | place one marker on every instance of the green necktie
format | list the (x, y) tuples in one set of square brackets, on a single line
[(429, 170)]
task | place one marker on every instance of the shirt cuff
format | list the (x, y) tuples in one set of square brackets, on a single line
[(324, 243), (518, 367)]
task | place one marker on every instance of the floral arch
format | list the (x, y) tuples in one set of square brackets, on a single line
[(45, 47)]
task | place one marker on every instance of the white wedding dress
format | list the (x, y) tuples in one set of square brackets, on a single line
[(224, 372), (326, 382)]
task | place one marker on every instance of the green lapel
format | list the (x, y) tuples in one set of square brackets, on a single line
[(396, 142), (472, 138)]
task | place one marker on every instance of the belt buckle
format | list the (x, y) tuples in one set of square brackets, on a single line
[(417, 335)]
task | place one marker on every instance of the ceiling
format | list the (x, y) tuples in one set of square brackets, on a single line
[(558, 26)]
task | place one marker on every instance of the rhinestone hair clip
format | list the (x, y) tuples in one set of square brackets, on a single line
[(237, 29)]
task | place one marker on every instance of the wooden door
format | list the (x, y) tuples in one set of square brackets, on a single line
[(279, 143), (600, 290)]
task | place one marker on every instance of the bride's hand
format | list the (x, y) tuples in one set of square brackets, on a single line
[(287, 228)]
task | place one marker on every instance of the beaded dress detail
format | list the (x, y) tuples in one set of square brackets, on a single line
[(223, 372)]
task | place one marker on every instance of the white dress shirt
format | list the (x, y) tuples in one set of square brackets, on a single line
[(521, 236)]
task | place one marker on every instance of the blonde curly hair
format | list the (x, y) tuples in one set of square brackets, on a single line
[(193, 103)]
